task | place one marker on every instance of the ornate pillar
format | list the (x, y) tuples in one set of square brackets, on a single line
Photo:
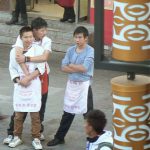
[(131, 32), (131, 95), (131, 113)]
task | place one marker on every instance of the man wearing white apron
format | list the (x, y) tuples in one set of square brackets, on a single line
[(39, 28), (79, 64), (27, 89)]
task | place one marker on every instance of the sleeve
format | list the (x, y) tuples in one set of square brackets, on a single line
[(13, 65), (40, 66), (18, 42), (48, 45), (66, 60), (89, 59)]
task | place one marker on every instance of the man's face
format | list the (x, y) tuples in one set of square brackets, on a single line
[(39, 33), (27, 38), (88, 128), (80, 40)]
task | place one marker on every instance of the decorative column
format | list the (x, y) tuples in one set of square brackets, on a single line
[(131, 34), (131, 113), (131, 94)]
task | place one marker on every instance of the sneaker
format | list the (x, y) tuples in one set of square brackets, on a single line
[(8, 139), (37, 144), (15, 142), (42, 138), (55, 142)]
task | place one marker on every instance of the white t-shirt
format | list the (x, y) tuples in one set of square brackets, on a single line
[(45, 43), (13, 65), (27, 99)]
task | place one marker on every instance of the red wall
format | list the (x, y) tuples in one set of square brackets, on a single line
[(108, 23)]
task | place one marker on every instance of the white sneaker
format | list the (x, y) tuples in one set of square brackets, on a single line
[(36, 143), (8, 139), (42, 138), (15, 142)]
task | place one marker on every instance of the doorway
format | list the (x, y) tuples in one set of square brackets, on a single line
[(48, 9), (45, 8)]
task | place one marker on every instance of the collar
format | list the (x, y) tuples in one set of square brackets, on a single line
[(27, 49), (92, 140)]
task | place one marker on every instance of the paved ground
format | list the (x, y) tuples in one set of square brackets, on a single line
[(75, 139)]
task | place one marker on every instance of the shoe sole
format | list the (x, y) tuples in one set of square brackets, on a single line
[(16, 145), (5, 143), (35, 148)]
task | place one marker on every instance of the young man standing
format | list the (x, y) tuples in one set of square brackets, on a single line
[(79, 64), (98, 138), (39, 28), (27, 89)]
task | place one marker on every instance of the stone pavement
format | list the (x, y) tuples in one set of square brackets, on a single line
[(75, 139)]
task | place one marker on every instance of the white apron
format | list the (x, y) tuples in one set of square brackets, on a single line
[(75, 100), (27, 99)]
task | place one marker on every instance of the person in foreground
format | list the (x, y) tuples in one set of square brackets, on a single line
[(79, 64), (27, 89), (98, 138)]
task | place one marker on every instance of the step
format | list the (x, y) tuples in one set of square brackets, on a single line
[(60, 39), (59, 46), (60, 33), (13, 31), (52, 22)]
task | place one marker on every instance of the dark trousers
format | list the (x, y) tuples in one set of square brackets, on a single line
[(69, 13), (41, 113), (20, 7), (67, 118)]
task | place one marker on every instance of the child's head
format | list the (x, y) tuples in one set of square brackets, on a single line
[(81, 35), (95, 122), (39, 27), (26, 35)]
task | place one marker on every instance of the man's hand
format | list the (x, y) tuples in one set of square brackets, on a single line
[(20, 58), (19, 50), (25, 81)]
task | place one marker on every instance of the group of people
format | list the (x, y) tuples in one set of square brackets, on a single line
[(29, 71), (20, 9)]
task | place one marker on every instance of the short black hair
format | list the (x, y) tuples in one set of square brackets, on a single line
[(24, 29), (96, 118), (81, 29), (38, 23)]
